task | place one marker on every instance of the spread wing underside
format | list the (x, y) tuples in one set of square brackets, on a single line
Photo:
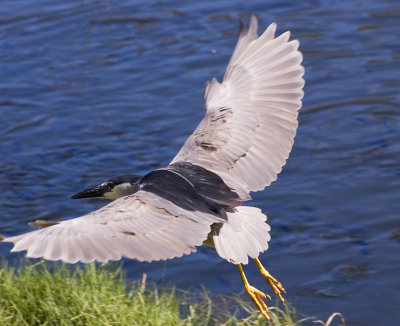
[(141, 226), (251, 118)]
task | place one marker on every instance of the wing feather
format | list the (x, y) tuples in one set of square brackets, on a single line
[(141, 226), (251, 118)]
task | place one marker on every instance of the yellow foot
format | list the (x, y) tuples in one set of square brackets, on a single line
[(258, 297), (255, 294), (275, 285)]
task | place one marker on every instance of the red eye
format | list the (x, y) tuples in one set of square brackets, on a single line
[(110, 184)]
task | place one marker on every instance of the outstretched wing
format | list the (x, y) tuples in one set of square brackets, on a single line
[(251, 119), (142, 226)]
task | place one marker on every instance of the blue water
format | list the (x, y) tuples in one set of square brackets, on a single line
[(93, 89)]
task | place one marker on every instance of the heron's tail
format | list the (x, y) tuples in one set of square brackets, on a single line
[(245, 234)]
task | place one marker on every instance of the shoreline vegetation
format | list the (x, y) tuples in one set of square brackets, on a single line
[(57, 294)]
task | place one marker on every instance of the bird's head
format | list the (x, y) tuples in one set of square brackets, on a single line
[(114, 188)]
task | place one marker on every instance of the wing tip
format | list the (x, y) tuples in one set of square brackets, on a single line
[(251, 30), (253, 25), (12, 240)]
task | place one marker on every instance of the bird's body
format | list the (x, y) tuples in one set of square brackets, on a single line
[(240, 146)]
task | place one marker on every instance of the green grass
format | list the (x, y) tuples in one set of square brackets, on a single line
[(56, 294)]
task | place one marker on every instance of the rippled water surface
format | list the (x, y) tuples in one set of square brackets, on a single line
[(92, 89)]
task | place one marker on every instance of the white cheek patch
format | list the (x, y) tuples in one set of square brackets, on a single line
[(111, 195), (121, 190)]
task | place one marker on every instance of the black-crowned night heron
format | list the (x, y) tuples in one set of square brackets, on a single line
[(240, 146)]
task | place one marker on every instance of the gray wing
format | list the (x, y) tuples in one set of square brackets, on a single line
[(251, 119), (142, 226)]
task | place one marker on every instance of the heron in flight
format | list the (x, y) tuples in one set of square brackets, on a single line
[(239, 147)]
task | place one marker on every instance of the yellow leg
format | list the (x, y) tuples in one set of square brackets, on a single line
[(255, 294), (273, 282)]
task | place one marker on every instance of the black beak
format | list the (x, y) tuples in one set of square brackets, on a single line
[(96, 191)]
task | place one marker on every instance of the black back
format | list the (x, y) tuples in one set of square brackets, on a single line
[(207, 184), (191, 187)]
